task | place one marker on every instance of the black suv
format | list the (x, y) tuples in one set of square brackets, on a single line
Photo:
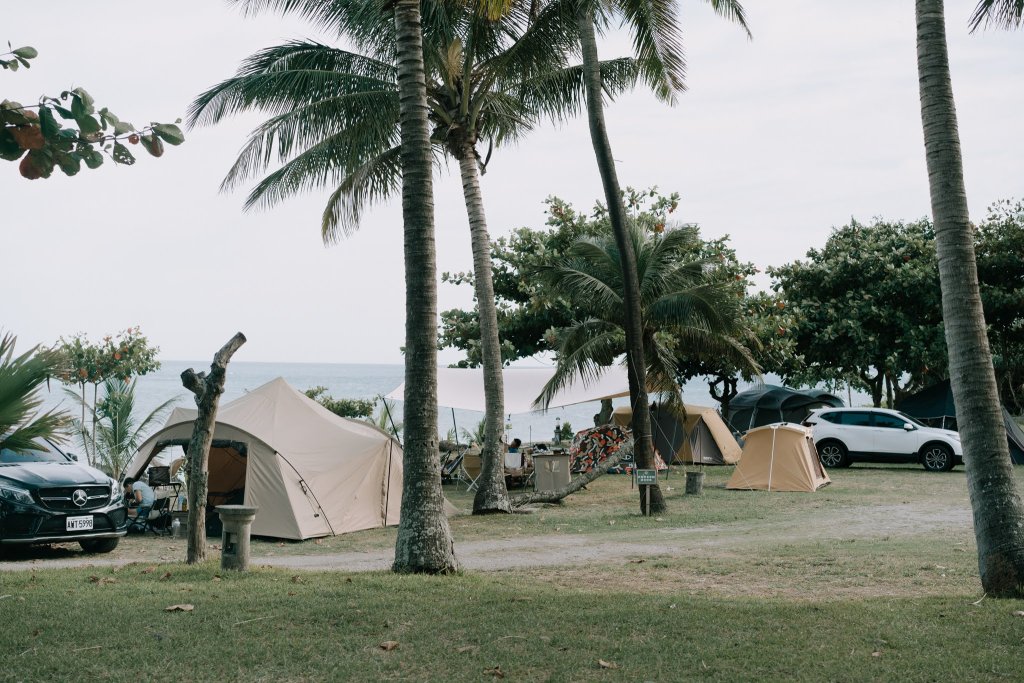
[(47, 497)]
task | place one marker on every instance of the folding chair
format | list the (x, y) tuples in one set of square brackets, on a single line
[(470, 467), (451, 462), (158, 520)]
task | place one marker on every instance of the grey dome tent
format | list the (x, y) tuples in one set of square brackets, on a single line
[(934, 406), (768, 404)]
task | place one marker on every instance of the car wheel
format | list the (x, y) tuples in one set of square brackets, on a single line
[(99, 545), (937, 457), (833, 454)]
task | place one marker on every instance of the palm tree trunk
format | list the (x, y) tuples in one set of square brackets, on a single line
[(491, 496), (637, 370), (424, 543), (998, 514)]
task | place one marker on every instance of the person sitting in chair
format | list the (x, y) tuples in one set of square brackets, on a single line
[(139, 493)]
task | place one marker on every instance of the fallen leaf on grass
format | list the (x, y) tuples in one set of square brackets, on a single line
[(180, 608), (607, 665), (1019, 613), (876, 653), (166, 576), (611, 522), (149, 570), (637, 561), (102, 579), (216, 577), (496, 672), (466, 648), (297, 579), (389, 645), (292, 593)]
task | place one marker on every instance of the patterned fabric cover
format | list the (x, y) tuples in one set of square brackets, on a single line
[(592, 446)]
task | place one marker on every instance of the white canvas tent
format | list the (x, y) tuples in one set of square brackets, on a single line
[(310, 472), (463, 388), (778, 457)]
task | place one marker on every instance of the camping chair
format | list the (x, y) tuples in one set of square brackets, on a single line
[(451, 461), (470, 466), (158, 521), (518, 469)]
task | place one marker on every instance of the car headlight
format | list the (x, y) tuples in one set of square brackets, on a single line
[(116, 492), (16, 495)]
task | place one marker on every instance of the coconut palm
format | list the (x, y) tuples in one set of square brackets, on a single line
[(683, 305), (116, 433), (998, 512), (336, 125), (658, 48), (22, 426)]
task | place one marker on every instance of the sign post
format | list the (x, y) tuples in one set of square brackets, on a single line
[(647, 478)]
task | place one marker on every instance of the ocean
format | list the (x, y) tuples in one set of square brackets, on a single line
[(364, 381)]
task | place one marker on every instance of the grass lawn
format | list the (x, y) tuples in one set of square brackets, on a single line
[(782, 589)]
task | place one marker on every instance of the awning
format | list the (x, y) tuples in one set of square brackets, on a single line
[(463, 388)]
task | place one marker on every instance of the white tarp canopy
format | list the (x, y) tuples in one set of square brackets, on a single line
[(463, 388), (310, 472)]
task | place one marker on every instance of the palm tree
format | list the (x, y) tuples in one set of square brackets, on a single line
[(659, 51), (684, 306), (116, 434), (998, 513), (337, 124), (21, 424)]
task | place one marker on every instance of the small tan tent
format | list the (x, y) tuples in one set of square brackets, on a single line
[(310, 472), (702, 438), (778, 457)]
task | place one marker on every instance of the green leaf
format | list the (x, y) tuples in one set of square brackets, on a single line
[(65, 113), (26, 52), (169, 133), (78, 108), (25, 63), (122, 155), (153, 145), (10, 150), (48, 122), (12, 65), (123, 128), (69, 164), (86, 100), (88, 125), (93, 158)]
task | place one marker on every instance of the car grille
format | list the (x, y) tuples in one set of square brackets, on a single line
[(60, 499)]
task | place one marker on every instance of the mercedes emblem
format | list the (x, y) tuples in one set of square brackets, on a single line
[(79, 497)]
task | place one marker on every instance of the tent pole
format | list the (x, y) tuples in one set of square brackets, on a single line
[(394, 429), (387, 488)]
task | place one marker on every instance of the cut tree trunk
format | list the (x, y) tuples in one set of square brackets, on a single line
[(207, 390), (998, 514), (570, 488), (635, 359), (424, 543), (492, 495)]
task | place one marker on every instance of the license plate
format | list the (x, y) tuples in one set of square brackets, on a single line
[(79, 523)]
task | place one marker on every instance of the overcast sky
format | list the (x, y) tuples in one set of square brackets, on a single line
[(778, 140)]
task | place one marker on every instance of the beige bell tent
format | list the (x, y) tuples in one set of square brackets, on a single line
[(702, 438), (778, 457), (310, 472)]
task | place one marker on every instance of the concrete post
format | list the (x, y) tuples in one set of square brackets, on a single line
[(237, 521)]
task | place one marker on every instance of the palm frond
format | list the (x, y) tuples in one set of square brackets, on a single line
[(657, 44), (373, 181), (999, 13)]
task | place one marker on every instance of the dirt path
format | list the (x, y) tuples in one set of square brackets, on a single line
[(877, 521)]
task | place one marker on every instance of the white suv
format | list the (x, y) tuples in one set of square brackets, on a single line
[(846, 435)]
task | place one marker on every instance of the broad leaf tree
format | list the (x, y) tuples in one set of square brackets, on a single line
[(865, 310), (998, 512)]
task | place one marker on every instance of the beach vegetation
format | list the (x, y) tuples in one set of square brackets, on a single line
[(22, 422), (115, 432)]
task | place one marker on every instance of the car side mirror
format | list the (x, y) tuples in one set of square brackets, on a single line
[(909, 427), (73, 457)]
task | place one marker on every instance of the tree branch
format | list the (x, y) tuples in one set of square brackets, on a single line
[(572, 487)]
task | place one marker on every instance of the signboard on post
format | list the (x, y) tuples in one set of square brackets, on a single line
[(646, 477)]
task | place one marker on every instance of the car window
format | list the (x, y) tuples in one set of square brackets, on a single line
[(855, 419), (913, 420), (830, 417), (10, 457), (888, 421)]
